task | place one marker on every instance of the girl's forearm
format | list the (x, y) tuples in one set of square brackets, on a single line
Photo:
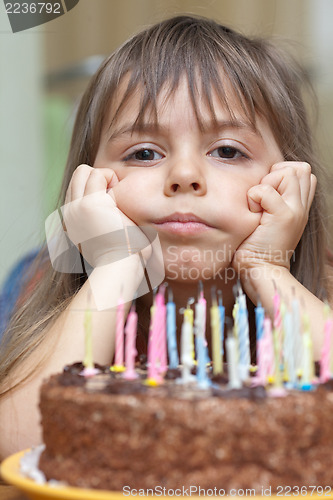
[(262, 283), (100, 294)]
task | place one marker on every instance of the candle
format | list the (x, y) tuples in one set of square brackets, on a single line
[(161, 331), (203, 301), (156, 360), (216, 336), (289, 358), (243, 338), (131, 352), (232, 359), (89, 367), (266, 354), (188, 317), (172, 332), (119, 351), (186, 351), (325, 360), (235, 318), (260, 316), (277, 358), (152, 313), (200, 320), (222, 317)]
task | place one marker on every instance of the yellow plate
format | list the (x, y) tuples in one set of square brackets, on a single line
[(10, 471)]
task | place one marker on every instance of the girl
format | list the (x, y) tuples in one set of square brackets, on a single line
[(200, 135)]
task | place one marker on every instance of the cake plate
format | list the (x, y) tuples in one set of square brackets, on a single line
[(10, 471)]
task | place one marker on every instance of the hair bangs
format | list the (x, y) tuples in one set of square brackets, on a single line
[(156, 64)]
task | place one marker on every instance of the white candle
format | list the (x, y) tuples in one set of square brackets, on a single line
[(232, 359), (186, 352)]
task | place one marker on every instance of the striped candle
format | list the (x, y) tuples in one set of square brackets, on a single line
[(131, 352), (199, 324), (243, 338), (222, 318), (119, 351), (172, 332)]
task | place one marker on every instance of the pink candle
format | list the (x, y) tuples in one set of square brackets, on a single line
[(119, 353), (150, 334), (203, 303), (163, 338), (158, 343), (265, 360), (131, 352)]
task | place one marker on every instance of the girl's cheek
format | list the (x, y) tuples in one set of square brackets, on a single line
[(129, 194)]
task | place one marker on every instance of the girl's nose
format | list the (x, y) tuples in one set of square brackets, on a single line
[(185, 177)]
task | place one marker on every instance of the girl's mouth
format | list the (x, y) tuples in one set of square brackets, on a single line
[(182, 224)]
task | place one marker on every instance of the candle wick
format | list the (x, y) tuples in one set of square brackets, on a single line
[(200, 290), (190, 301), (220, 297), (213, 295)]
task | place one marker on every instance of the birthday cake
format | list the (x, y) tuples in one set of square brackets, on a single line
[(109, 433), (181, 425)]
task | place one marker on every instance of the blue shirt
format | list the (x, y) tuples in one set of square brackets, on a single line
[(12, 288)]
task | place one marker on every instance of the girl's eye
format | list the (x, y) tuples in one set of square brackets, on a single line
[(227, 153), (144, 154)]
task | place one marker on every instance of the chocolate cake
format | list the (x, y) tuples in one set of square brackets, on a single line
[(108, 433)]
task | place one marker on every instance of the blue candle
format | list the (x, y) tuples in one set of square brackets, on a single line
[(222, 317), (171, 332), (200, 340), (260, 316), (243, 338)]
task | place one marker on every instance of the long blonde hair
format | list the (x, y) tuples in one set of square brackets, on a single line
[(265, 81)]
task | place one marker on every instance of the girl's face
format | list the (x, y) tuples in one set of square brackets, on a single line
[(189, 184)]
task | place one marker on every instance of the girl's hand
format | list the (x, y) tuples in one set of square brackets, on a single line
[(93, 222), (283, 198)]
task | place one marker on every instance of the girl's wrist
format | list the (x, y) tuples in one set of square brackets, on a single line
[(261, 278), (118, 280)]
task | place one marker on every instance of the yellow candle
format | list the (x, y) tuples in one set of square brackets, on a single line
[(234, 315), (277, 372), (188, 318), (188, 315), (216, 339)]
